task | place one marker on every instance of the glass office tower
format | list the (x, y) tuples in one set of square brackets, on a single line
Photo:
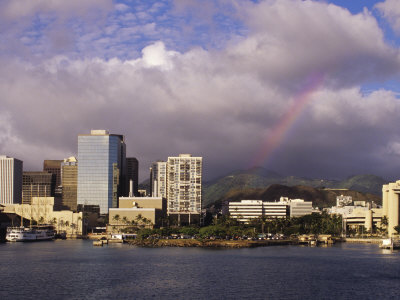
[(101, 169)]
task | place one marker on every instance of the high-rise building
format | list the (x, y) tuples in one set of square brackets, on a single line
[(101, 169), (69, 181), (36, 184), (158, 179), (10, 180), (184, 180), (132, 173), (54, 167)]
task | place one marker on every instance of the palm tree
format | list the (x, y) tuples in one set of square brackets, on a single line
[(79, 221), (73, 226), (117, 218), (67, 223), (61, 223), (139, 219)]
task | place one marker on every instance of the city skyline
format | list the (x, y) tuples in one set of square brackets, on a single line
[(304, 88)]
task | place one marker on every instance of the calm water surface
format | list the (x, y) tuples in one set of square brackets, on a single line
[(74, 269)]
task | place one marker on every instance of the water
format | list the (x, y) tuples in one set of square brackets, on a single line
[(74, 269)]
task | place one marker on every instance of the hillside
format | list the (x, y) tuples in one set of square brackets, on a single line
[(259, 178), (250, 183), (320, 197)]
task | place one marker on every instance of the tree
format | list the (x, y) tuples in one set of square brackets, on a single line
[(397, 228), (41, 220)]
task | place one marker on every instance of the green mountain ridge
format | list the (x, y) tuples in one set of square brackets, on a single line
[(260, 178), (319, 197), (252, 182)]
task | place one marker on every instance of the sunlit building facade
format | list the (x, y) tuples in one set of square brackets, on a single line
[(158, 179), (101, 169), (10, 180), (184, 180)]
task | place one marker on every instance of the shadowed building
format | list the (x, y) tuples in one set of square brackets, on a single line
[(10, 180), (132, 173), (101, 169), (54, 167), (69, 180), (36, 184)]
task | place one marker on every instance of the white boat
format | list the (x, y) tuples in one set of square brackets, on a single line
[(22, 234), (390, 243)]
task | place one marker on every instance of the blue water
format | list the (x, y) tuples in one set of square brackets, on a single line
[(74, 269)]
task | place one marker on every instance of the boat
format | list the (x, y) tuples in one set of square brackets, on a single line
[(390, 243), (30, 234)]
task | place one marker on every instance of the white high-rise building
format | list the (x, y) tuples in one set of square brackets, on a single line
[(10, 180), (184, 179), (158, 179)]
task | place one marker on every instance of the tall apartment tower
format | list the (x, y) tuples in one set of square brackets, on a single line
[(132, 173), (184, 179), (101, 169), (69, 181), (10, 180), (36, 184), (54, 167), (158, 179)]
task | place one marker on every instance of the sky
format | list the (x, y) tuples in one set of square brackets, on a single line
[(304, 88)]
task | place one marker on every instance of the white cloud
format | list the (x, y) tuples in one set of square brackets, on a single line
[(220, 104), (14, 9), (390, 9)]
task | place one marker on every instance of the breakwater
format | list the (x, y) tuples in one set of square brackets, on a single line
[(208, 243)]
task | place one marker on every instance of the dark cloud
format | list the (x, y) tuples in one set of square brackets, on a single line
[(221, 104)]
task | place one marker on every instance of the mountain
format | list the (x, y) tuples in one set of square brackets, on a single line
[(253, 182), (319, 197), (364, 183), (260, 178)]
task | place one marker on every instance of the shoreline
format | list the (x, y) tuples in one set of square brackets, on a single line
[(158, 243)]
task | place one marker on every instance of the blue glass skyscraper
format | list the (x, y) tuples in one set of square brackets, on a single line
[(101, 169)]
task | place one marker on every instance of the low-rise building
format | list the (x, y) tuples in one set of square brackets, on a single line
[(246, 210), (359, 214), (147, 211), (41, 210)]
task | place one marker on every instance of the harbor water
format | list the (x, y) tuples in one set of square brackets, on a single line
[(74, 269)]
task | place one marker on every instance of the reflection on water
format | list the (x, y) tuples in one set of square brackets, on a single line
[(75, 269)]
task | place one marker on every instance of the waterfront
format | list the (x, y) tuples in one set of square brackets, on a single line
[(74, 269)]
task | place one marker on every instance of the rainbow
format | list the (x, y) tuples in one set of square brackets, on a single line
[(285, 123)]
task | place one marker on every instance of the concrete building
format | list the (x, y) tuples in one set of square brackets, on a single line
[(299, 207), (138, 209), (101, 169), (343, 200), (10, 180), (132, 173), (42, 210), (158, 179), (390, 205), (69, 180), (356, 214), (184, 187), (36, 184), (246, 210)]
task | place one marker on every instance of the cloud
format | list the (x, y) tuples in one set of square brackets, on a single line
[(390, 9), (15, 9), (218, 103)]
